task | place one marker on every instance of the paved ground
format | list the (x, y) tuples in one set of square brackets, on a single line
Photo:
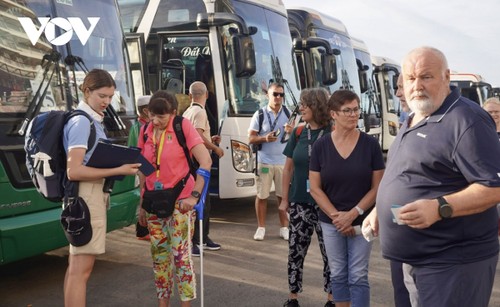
[(244, 273)]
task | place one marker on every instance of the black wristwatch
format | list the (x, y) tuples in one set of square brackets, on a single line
[(196, 194), (444, 209)]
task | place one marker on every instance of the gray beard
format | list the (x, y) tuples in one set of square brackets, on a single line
[(424, 107)]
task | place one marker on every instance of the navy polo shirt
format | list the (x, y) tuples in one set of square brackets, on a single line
[(454, 147)]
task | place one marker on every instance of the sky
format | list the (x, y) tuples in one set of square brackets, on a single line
[(466, 31)]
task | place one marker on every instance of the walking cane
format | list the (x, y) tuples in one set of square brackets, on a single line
[(199, 209)]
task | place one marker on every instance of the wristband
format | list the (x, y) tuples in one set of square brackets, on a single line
[(360, 211)]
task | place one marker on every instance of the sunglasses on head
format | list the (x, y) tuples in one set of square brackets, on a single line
[(276, 94)]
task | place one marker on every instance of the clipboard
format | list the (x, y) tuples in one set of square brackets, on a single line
[(108, 155)]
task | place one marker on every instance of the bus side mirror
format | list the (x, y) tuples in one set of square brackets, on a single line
[(395, 82), (243, 55), (363, 81), (329, 69), (366, 121)]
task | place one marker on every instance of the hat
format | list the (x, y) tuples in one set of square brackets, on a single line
[(143, 100), (75, 220)]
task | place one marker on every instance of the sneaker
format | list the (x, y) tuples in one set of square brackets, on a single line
[(284, 233), (259, 234), (211, 245), (330, 304), (195, 252), (291, 303)]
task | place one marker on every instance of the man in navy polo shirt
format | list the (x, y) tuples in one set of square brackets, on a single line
[(443, 169)]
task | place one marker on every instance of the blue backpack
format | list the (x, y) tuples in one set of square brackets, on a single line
[(45, 154)]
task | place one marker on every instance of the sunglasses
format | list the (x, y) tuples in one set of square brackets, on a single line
[(276, 94)]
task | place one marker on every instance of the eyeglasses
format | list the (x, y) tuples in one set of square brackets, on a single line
[(348, 111), (276, 94)]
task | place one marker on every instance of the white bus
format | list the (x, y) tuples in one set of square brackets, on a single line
[(472, 86), (385, 76), (316, 38), (309, 28), (234, 47)]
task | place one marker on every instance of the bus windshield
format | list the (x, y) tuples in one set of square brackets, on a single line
[(169, 14), (26, 69), (393, 105), (475, 91), (368, 100), (346, 62), (272, 44)]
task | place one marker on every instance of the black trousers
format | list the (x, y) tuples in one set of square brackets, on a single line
[(401, 296)]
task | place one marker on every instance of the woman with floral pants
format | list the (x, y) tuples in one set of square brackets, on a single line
[(171, 236)]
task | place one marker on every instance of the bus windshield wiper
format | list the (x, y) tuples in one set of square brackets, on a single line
[(48, 60), (278, 77), (71, 60)]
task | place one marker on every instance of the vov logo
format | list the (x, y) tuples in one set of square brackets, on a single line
[(68, 26)]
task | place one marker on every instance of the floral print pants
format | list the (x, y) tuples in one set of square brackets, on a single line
[(171, 253), (303, 223)]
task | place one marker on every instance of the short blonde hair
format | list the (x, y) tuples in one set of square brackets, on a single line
[(491, 100)]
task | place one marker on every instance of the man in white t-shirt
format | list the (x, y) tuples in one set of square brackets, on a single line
[(197, 114), (270, 158)]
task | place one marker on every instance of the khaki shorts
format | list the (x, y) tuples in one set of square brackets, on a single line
[(91, 192), (267, 174)]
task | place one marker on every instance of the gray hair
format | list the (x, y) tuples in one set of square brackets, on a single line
[(426, 49), (198, 89)]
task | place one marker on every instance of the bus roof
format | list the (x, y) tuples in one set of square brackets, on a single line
[(276, 5), (459, 76), (322, 19), (380, 60), (359, 45)]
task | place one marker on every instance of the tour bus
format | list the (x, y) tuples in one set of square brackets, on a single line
[(472, 86), (316, 36), (236, 47), (45, 49), (385, 76), (373, 111)]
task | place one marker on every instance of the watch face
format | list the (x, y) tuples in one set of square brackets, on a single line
[(445, 211), (195, 194)]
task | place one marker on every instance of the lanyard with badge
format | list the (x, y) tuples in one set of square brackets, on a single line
[(272, 125), (310, 141), (158, 185)]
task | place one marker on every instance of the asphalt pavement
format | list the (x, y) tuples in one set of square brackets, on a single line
[(244, 272)]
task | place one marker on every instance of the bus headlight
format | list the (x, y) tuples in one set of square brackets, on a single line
[(242, 157)]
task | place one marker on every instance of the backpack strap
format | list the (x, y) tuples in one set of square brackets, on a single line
[(92, 137), (299, 130), (181, 138), (261, 118), (144, 134), (287, 112), (71, 187)]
